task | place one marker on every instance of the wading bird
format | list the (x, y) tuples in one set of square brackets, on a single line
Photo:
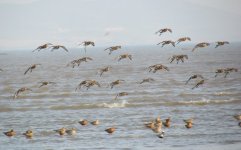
[(110, 130), (10, 133), (28, 134), (61, 131)]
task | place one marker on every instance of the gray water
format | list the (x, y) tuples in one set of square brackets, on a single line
[(51, 107)]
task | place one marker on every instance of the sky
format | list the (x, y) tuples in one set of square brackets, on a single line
[(26, 24)]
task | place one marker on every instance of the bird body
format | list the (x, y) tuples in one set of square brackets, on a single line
[(200, 45), (71, 131), (10, 133), (28, 134), (20, 91), (61, 131), (183, 39), (221, 43), (110, 130), (55, 47), (113, 48), (167, 42), (83, 122), (31, 68), (163, 31), (121, 94), (96, 122)]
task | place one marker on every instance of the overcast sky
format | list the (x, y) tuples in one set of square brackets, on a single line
[(26, 24)]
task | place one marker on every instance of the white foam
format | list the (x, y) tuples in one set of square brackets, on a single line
[(114, 105)]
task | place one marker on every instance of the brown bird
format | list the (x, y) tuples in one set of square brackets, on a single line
[(124, 56), (163, 30), (91, 83), (83, 122), (150, 125), (20, 91), (198, 84), (200, 45), (195, 76), (188, 125), (221, 43), (71, 131), (31, 68), (102, 70), (147, 80), (96, 122), (87, 43), (167, 122), (77, 62), (59, 46), (28, 134), (167, 42), (61, 131), (110, 130), (226, 71), (44, 46), (113, 48), (155, 68), (121, 94), (10, 133), (183, 39), (112, 84), (83, 83), (45, 83), (238, 117), (178, 58)]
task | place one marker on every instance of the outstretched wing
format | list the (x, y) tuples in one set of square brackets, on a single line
[(64, 48), (27, 70)]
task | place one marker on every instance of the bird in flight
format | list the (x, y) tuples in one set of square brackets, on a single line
[(200, 45), (166, 43), (31, 68), (163, 30), (113, 48), (221, 43), (20, 91), (44, 46), (55, 47), (183, 39), (87, 43)]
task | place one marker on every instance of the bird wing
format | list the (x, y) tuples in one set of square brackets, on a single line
[(27, 70), (64, 48)]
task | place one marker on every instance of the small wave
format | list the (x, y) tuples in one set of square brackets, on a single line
[(114, 105), (205, 102), (90, 106)]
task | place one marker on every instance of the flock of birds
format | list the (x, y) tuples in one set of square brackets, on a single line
[(155, 125)]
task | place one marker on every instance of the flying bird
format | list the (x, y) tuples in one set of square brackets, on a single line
[(44, 46), (155, 68), (195, 76), (20, 91), (198, 84), (167, 42), (120, 94), (87, 43), (163, 30), (31, 68), (112, 84), (102, 70), (147, 80), (221, 43), (178, 58), (124, 56), (113, 48), (59, 46), (200, 45), (183, 39), (45, 83)]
